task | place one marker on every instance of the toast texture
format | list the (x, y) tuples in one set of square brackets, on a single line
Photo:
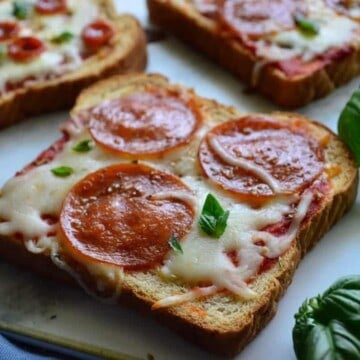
[(127, 54), (220, 323), (203, 34)]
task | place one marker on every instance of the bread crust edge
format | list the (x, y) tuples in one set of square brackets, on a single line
[(200, 33)]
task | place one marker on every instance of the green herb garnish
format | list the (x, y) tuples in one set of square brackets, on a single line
[(20, 10), (64, 37), (213, 218), (62, 171), (2, 53), (84, 146), (349, 125), (328, 326), (175, 245), (307, 26)]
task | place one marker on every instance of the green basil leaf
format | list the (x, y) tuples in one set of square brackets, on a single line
[(349, 125), (64, 37), (62, 171), (21, 10), (84, 146), (307, 26), (2, 53), (331, 341), (213, 218), (175, 245), (327, 327)]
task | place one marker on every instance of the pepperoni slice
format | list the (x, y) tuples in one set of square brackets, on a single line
[(97, 34), (143, 124), (125, 215), (8, 30), (25, 48), (349, 8), (50, 7), (261, 17), (256, 157)]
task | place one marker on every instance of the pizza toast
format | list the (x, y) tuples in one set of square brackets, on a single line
[(292, 64), (51, 50), (217, 311)]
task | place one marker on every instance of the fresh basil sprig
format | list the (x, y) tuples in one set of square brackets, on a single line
[(328, 326), (349, 125), (307, 26), (62, 171), (84, 146), (20, 10), (213, 218), (62, 38), (175, 245)]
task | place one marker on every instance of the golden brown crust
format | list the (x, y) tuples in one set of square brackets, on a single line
[(127, 54), (202, 34), (229, 323)]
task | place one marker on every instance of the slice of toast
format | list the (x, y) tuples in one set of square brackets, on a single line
[(124, 53), (220, 322), (326, 71)]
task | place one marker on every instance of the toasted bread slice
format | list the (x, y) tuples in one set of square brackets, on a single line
[(125, 53), (202, 32), (221, 322)]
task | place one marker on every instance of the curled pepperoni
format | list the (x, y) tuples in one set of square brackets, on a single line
[(255, 18), (97, 34), (256, 157), (349, 8), (125, 215), (144, 124), (25, 48), (50, 7), (8, 30)]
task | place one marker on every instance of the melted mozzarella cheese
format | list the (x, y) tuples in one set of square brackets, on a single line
[(27, 197), (13, 71), (39, 192), (205, 259), (334, 31)]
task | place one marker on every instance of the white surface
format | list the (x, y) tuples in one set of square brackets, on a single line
[(31, 302)]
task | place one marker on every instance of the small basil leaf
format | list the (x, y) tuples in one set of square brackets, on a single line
[(64, 37), (221, 224), (175, 245), (213, 218), (349, 125), (212, 206), (20, 10), (207, 224), (84, 146), (2, 53), (328, 326), (62, 171), (307, 26)]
